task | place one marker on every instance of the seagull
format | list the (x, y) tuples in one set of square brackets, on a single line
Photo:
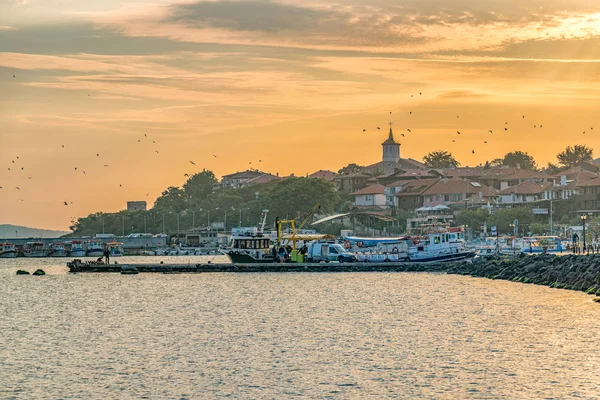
[(540, 126), (420, 94), (193, 163), (139, 140), (186, 175), (18, 188), (22, 199), (147, 194), (410, 113), (409, 131), (153, 142), (484, 142), (473, 151), (13, 161), (377, 128), (453, 140), (523, 116), (390, 112), (63, 146), (83, 172), (97, 154), (29, 177), (214, 156), (105, 165), (22, 168), (458, 132), (505, 129), (120, 185), (66, 204), (75, 168), (535, 126), (9, 168), (156, 151), (364, 130), (403, 135), (17, 157), (89, 94), (490, 131), (145, 135), (259, 160), (506, 123)]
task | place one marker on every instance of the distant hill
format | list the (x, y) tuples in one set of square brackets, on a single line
[(8, 231)]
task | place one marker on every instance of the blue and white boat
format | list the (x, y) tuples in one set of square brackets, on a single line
[(543, 244), (94, 248), (76, 248), (440, 247), (57, 250), (8, 250)]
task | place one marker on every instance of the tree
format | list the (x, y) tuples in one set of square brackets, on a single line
[(552, 169), (440, 159), (574, 155), (172, 199), (473, 218), (199, 185), (350, 169), (519, 159)]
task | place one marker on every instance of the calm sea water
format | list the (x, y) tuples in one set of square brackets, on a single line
[(280, 336)]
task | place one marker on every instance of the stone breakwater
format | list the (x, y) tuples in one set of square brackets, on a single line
[(562, 272)]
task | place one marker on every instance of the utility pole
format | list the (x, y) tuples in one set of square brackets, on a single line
[(240, 222), (145, 224), (164, 231), (551, 196)]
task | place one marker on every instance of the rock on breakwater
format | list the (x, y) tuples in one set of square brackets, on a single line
[(573, 272)]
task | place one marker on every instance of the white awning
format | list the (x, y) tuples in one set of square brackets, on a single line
[(330, 218)]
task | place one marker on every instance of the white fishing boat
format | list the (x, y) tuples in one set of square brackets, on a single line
[(115, 248), (502, 245), (442, 246), (8, 250), (35, 249), (94, 248), (75, 248), (57, 250)]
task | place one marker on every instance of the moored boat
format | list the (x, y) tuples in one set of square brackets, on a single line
[(94, 248), (76, 248), (543, 244), (441, 246), (57, 250), (115, 248), (35, 249), (8, 250)]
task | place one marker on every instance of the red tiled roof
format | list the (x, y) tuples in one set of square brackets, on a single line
[(527, 187), (416, 187), (456, 186), (373, 189), (324, 174)]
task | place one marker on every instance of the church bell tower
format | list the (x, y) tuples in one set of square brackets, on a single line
[(391, 148)]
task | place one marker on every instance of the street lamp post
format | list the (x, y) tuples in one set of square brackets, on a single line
[(164, 231), (145, 230), (583, 218)]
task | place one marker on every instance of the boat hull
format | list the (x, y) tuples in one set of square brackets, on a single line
[(241, 258), (33, 254), (95, 253), (59, 253), (8, 254), (444, 258), (77, 253)]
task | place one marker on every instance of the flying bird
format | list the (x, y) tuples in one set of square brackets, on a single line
[(18, 188), (505, 129), (153, 142), (259, 160), (13, 161), (214, 156), (453, 140), (63, 146), (473, 151), (120, 185), (9, 168), (186, 175), (458, 132), (193, 163), (490, 131), (29, 177), (535, 126), (75, 168), (97, 154), (403, 135), (145, 135), (156, 151), (410, 113), (14, 76), (390, 112), (147, 194), (139, 140), (66, 204), (364, 130), (409, 131), (105, 165), (523, 116), (377, 128), (420, 94), (83, 172), (485, 142)]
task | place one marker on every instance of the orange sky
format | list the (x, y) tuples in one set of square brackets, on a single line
[(290, 83)]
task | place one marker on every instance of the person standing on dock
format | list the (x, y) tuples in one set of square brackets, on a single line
[(107, 255)]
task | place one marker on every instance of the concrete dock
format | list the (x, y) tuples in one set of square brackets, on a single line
[(271, 267)]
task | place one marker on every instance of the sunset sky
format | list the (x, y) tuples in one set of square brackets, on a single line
[(292, 83)]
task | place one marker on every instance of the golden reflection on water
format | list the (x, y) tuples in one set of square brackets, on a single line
[(328, 335)]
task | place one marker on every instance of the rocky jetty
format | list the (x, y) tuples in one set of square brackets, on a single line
[(573, 272)]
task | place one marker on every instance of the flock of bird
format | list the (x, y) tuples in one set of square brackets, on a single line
[(16, 164), (410, 112)]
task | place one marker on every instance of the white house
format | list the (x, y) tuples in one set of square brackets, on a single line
[(371, 196), (524, 192)]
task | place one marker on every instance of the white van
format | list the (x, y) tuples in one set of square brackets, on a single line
[(328, 251)]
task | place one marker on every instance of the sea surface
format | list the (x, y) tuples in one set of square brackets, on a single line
[(290, 335)]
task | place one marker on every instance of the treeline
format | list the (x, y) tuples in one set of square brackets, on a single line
[(566, 159), (195, 205)]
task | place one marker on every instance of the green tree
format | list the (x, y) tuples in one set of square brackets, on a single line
[(172, 199), (519, 159), (199, 185), (440, 159), (473, 218), (552, 169), (574, 155), (350, 169)]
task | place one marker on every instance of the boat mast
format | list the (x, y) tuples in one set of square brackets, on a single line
[(264, 220)]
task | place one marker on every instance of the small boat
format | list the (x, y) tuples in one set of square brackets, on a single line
[(75, 249), (115, 248), (94, 248), (35, 249), (543, 244), (57, 250), (8, 250)]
